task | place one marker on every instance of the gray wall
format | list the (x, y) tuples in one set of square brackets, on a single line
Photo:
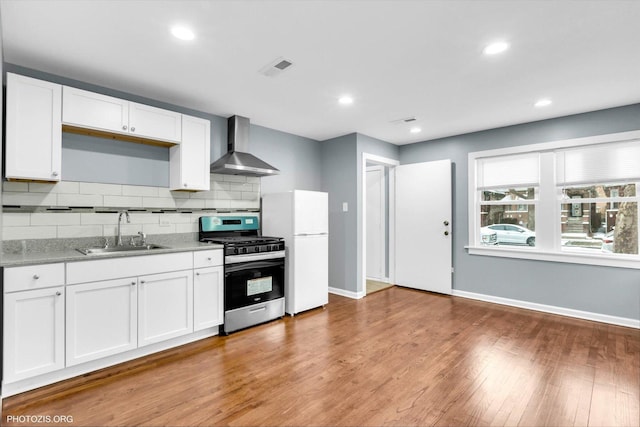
[(297, 157), (605, 290), (339, 158)]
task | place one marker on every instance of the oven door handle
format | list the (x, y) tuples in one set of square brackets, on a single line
[(231, 268)]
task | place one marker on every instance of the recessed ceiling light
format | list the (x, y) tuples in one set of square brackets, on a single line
[(542, 103), (346, 100), (495, 48), (415, 130), (182, 33)]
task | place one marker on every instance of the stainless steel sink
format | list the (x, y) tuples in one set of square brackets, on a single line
[(118, 249)]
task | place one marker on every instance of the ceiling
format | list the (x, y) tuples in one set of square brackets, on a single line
[(396, 58)]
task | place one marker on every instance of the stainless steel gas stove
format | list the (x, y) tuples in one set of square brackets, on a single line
[(254, 270)]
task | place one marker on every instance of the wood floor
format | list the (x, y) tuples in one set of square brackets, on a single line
[(395, 358)]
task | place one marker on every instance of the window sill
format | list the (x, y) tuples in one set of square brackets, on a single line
[(621, 261)]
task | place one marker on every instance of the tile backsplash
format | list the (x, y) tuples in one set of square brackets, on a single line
[(83, 209)]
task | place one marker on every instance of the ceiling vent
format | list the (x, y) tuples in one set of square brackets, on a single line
[(404, 120), (276, 67)]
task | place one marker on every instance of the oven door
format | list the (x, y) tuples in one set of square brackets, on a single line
[(252, 282)]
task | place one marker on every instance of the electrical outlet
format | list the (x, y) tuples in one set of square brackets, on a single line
[(164, 223)]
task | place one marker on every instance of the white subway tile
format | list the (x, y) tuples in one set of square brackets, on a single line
[(20, 187), (91, 218), (18, 233), (67, 187), (218, 185), (202, 195), (46, 218), (159, 229), (30, 199), (250, 196), (67, 231), (175, 218), (165, 192), (104, 189), (158, 202), (15, 219), (190, 204), (80, 200), (144, 218), (228, 195), (245, 204), (217, 204), (123, 201), (234, 178), (253, 179), (125, 230), (187, 228), (139, 190), (235, 186)]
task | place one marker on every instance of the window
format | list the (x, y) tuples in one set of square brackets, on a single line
[(573, 200)]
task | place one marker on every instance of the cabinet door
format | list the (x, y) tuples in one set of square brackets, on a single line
[(155, 123), (165, 306), (33, 129), (94, 111), (208, 297), (189, 161), (101, 319), (33, 333)]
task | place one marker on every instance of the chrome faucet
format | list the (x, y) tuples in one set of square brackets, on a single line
[(119, 238)]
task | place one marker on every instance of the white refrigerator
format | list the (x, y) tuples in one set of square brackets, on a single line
[(302, 219)]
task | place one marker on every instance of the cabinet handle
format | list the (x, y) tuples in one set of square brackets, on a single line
[(54, 173), (133, 129), (446, 233), (143, 281), (58, 293), (197, 273), (35, 276), (208, 258), (133, 283), (185, 185), (124, 127)]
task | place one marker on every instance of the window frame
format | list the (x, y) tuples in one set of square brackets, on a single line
[(548, 207)]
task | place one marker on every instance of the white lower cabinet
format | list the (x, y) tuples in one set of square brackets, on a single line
[(33, 333), (208, 297), (102, 319), (165, 306)]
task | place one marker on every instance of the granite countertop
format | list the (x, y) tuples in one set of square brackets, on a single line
[(64, 250)]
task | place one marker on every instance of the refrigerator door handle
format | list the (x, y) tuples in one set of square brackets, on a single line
[(311, 234)]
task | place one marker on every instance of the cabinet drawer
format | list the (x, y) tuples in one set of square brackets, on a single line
[(210, 258), (115, 268), (33, 277)]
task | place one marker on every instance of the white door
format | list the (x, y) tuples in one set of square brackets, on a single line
[(33, 333), (165, 306), (208, 297), (423, 226), (375, 223), (95, 111), (33, 129), (189, 160), (309, 287), (155, 123), (311, 212), (102, 319)]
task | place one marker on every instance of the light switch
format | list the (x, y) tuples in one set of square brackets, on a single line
[(345, 207)]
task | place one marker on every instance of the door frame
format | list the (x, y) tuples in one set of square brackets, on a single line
[(391, 164)]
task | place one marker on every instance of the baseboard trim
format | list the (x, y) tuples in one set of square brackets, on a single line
[(383, 280), (345, 293), (586, 315)]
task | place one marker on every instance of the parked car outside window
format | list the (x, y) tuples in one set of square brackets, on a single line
[(488, 237), (512, 234)]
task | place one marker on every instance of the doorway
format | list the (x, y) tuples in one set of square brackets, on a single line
[(377, 227)]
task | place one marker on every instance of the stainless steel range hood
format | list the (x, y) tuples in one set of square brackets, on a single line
[(238, 161)]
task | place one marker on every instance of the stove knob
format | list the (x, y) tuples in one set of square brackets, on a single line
[(257, 249), (235, 251)]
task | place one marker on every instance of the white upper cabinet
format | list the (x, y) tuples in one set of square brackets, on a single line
[(33, 129), (89, 110), (95, 111), (189, 161), (155, 123)]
